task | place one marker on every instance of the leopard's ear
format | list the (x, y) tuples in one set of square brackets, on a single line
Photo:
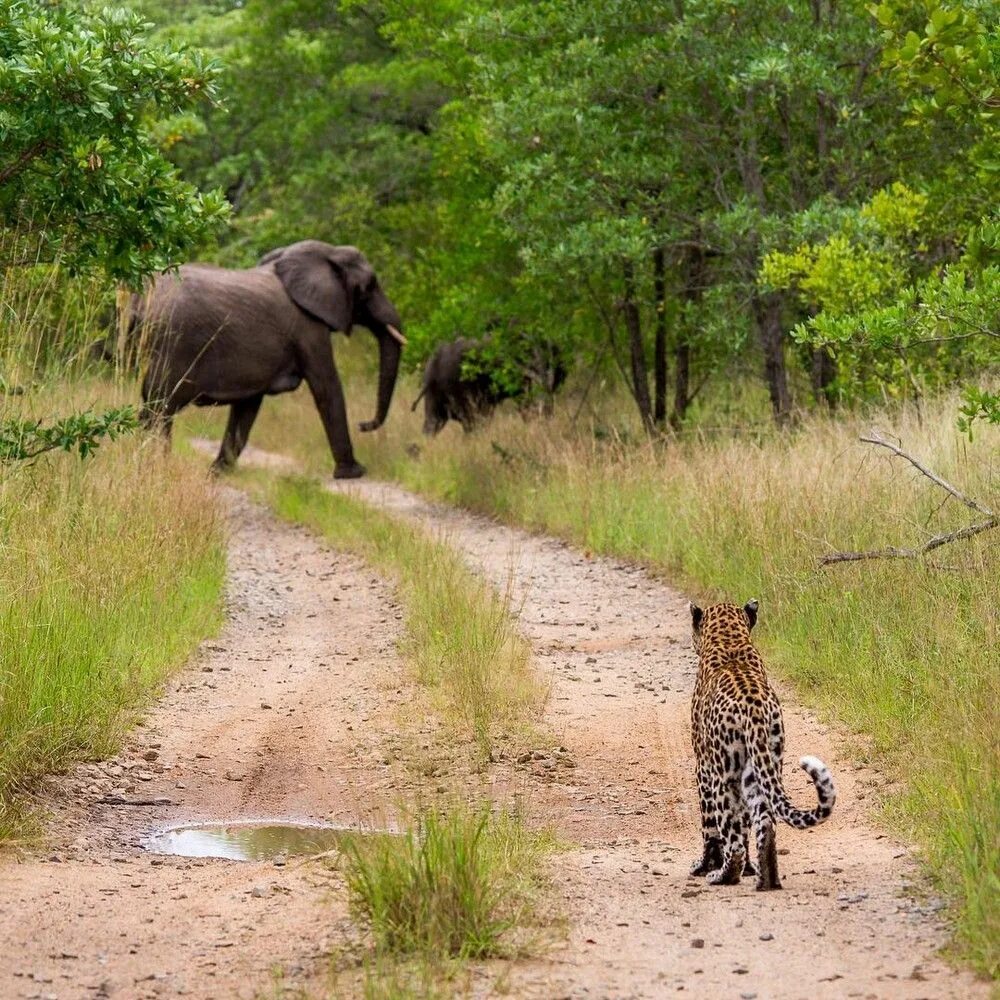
[(751, 611), (696, 614)]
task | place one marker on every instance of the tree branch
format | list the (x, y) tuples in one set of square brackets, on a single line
[(892, 552), (27, 155), (933, 477), (935, 541)]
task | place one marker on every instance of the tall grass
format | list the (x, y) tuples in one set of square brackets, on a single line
[(461, 639), (111, 569), (903, 653)]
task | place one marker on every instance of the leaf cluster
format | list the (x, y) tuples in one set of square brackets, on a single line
[(24, 440), (82, 178)]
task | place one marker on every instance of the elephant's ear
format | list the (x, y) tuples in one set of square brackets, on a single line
[(315, 283), (271, 255)]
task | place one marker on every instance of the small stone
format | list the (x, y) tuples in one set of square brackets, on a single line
[(150, 755), (264, 705), (524, 757), (697, 942), (260, 891), (767, 936), (657, 870)]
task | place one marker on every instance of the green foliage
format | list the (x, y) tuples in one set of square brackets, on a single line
[(978, 404), (23, 440), (81, 176), (453, 886), (721, 180)]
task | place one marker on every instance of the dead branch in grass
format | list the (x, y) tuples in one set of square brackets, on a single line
[(935, 541)]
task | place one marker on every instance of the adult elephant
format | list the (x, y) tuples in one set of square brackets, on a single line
[(221, 337), (458, 384)]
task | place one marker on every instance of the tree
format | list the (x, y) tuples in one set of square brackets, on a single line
[(904, 289), (82, 178)]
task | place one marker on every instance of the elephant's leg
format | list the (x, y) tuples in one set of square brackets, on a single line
[(328, 394), (241, 417)]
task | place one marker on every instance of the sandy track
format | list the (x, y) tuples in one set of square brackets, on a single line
[(311, 636), (615, 646)]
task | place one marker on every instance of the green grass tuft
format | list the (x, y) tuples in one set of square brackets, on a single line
[(111, 572), (454, 886)]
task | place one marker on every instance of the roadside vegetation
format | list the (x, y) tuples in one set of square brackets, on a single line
[(461, 640), (111, 572), (111, 557)]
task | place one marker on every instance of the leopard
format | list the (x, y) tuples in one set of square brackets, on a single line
[(738, 737)]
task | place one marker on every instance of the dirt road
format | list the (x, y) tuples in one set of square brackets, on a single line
[(290, 713), (615, 646), (296, 712)]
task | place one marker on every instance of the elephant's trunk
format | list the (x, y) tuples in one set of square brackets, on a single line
[(389, 351)]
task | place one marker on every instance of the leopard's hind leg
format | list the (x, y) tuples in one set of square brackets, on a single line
[(763, 827), (711, 850), (733, 843), (749, 868)]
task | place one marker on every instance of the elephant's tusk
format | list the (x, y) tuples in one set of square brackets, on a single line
[(396, 333)]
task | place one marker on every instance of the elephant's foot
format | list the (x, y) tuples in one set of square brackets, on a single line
[(349, 470)]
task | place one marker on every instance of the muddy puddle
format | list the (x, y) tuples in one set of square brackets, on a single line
[(251, 841)]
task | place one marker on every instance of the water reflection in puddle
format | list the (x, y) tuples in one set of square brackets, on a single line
[(249, 841)]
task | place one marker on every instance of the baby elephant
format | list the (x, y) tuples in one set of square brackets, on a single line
[(451, 394)]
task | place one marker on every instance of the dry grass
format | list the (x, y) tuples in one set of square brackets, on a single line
[(903, 653)]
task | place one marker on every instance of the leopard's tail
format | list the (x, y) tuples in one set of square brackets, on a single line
[(768, 780)]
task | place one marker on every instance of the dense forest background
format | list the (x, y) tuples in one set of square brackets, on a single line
[(681, 192)]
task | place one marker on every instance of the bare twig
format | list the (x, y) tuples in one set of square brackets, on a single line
[(118, 800), (935, 541), (933, 477)]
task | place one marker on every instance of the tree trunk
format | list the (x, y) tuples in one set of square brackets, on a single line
[(767, 314), (660, 338), (633, 323), (822, 374), (682, 381), (766, 308), (695, 279)]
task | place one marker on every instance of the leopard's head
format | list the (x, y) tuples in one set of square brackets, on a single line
[(723, 624)]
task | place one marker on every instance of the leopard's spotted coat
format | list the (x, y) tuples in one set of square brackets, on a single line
[(739, 738)]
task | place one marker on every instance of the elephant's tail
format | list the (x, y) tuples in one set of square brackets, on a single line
[(417, 400)]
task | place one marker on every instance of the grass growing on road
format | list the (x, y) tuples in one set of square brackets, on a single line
[(454, 886), (462, 639), (111, 571)]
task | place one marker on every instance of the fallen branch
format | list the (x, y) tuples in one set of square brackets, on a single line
[(935, 541)]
